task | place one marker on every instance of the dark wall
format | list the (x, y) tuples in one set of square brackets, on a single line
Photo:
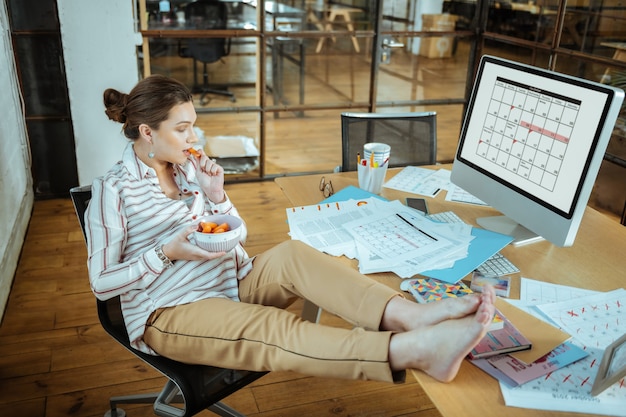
[(38, 52)]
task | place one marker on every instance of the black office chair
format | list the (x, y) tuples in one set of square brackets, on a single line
[(206, 15), (190, 388), (412, 137)]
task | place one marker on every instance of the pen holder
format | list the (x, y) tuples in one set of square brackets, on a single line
[(372, 179), (380, 151)]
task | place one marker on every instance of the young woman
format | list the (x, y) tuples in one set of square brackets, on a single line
[(227, 309)]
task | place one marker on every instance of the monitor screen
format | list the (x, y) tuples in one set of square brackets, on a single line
[(531, 146)]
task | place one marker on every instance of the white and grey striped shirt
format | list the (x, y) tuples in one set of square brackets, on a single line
[(128, 216)]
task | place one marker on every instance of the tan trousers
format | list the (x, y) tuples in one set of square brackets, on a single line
[(258, 335)]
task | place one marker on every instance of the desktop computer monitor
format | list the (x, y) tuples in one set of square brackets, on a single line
[(531, 145)]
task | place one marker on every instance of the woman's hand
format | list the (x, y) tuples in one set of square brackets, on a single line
[(211, 178), (181, 248)]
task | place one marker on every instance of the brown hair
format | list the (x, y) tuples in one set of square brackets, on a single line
[(149, 102)]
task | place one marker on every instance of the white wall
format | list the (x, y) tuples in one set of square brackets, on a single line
[(99, 48), (16, 184)]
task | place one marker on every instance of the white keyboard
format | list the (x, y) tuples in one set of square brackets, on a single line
[(445, 217), (497, 265)]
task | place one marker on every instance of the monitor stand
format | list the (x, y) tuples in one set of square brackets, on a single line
[(506, 226)]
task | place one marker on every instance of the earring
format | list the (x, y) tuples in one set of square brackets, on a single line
[(151, 155)]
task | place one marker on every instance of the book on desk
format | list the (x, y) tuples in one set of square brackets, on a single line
[(497, 342)]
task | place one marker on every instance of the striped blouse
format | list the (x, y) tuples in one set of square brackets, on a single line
[(127, 218)]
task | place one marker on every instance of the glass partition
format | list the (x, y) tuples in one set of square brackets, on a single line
[(307, 144), (294, 65), (235, 72), (437, 72)]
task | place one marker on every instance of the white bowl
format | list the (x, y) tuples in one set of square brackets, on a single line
[(219, 242)]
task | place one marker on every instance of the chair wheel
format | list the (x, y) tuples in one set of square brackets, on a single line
[(119, 413), (205, 100)]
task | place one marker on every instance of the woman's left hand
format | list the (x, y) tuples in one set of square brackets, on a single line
[(179, 247), (211, 178)]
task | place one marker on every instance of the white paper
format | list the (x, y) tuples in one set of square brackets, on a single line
[(383, 236), (421, 181), (320, 225), (594, 320), (458, 195)]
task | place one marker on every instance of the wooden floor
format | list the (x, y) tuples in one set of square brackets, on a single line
[(55, 359)]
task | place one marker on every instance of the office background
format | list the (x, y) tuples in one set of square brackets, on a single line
[(59, 55), (294, 66)]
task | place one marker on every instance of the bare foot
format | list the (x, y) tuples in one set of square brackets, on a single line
[(446, 309), (439, 349), (405, 315)]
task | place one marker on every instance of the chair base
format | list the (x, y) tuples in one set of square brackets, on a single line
[(223, 410), (219, 408), (163, 404), (204, 91), (117, 412)]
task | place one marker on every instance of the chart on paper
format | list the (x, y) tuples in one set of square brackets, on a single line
[(527, 131), (398, 236)]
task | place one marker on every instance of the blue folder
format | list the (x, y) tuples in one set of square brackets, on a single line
[(351, 193), (484, 245)]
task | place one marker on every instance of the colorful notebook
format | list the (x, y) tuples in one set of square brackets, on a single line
[(426, 290), (514, 372)]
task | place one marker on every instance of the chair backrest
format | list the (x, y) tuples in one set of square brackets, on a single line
[(412, 137), (207, 15), (199, 386), (80, 198)]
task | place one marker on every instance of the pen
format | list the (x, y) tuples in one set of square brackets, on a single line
[(358, 158), (417, 228), (372, 159)]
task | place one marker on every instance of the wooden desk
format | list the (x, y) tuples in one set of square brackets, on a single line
[(597, 260)]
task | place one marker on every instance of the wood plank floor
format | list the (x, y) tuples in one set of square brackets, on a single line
[(56, 360)]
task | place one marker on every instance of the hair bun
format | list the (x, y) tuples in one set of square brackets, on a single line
[(115, 103)]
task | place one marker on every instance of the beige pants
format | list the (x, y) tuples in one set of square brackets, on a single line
[(258, 335)]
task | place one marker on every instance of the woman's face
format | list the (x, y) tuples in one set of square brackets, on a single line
[(172, 140)]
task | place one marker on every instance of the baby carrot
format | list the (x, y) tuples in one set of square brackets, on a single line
[(207, 227), (210, 227), (221, 228)]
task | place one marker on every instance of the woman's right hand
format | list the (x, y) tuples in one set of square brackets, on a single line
[(181, 248)]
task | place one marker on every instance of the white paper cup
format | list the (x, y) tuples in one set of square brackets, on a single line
[(381, 151), (372, 179)]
